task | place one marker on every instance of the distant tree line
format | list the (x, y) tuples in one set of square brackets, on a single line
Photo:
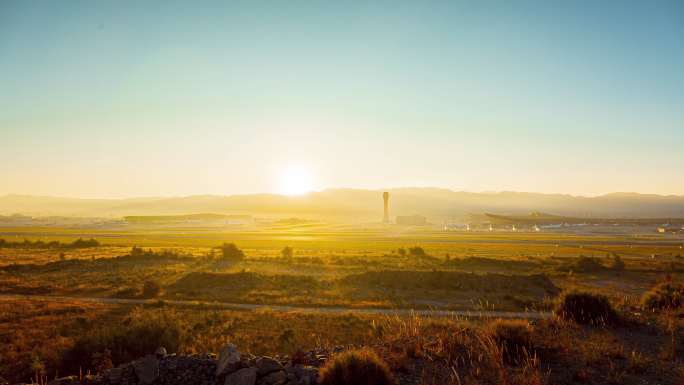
[(26, 244)]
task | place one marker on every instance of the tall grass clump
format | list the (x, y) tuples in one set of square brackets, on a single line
[(140, 333), (514, 337), (356, 367), (664, 296), (587, 308)]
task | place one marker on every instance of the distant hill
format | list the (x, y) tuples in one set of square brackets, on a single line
[(358, 205)]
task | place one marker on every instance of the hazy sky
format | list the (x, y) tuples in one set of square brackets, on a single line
[(133, 98)]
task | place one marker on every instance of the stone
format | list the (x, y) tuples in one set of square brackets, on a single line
[(305, 374), (275, 378), (266, 365), (228, 360), (114, 375), (146, 369), (65, 381), (246, 376)]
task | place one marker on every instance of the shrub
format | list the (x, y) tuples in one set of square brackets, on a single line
[(356, 367), (663, 296), (140, 333), (417, 251), (126, 292), (618, 263), (231, 252), (84, 243), (287, 252), (137, 251), (587, 308), (587, 265), (514, 337), (151, 289)]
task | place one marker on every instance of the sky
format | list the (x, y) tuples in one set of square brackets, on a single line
[(165, 98)]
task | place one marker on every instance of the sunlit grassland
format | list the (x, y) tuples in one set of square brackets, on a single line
[(332, 266), (324, 239), (58, 337), (324, 255)]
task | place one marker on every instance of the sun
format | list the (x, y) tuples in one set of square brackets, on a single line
[(295, 180)]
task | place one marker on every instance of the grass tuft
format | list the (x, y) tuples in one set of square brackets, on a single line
[(664, 296), (587, 308), (356, 367), (514, 337)]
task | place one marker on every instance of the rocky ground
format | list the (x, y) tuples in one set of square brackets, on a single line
[(230, 367)]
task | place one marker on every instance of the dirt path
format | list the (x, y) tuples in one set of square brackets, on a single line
[(284, 308)]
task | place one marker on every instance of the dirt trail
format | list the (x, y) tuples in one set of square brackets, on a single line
[(285, 308)]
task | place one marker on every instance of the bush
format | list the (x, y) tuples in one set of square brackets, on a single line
[(151, 289), (584, 264), (126, 292), (587, 308), (231, 252), (417, 251), (663, 296), (287, 252), (84, 243), (514, 337), (356, 367), (618, 263), (140, 333)]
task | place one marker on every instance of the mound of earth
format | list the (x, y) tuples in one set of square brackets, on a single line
[(492, 264), (240, 286), (453, 281)]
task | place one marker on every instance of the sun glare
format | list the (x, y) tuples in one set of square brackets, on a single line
[(295, 180)]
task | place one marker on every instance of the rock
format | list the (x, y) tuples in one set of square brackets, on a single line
[(64, 381), (228, 361), (146, 369), (246, 376), (275, 378), (161, 352), (266, 365), (114, 375), (306, 375)]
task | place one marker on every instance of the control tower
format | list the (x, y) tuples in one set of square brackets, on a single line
[(385, 198)]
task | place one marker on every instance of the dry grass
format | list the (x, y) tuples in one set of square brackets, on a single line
[(587, 308), (64, 336), (356, 367), (514, 337), (664, 296), (333, 266)]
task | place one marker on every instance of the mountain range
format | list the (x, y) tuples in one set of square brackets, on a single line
[(357, 204)]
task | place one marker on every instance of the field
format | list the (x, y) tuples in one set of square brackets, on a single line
[(336, 265), (184, 279)]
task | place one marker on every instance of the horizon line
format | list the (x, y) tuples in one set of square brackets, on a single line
[(132, 197)]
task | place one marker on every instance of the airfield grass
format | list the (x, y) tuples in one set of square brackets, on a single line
[(269, 240), (324, 255)]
